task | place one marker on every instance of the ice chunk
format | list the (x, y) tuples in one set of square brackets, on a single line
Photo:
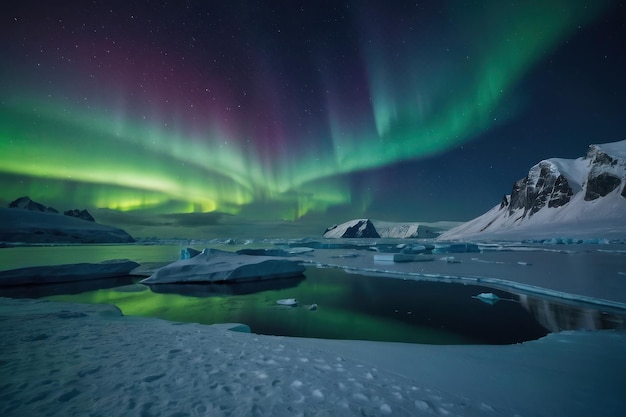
[(287, 302), (415, 249), (218, 266), (488, 297), (188, 253), (450, 260)]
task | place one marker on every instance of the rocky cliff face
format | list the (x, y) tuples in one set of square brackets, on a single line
[(565, 194), (606, 174), (359, 229), (544, 185), (80, 214)]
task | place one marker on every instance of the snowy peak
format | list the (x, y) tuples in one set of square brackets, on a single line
[(352, 229), (28, 221), (583, 197), (544, 185), (366, 228), (27, 204), (80, 214)]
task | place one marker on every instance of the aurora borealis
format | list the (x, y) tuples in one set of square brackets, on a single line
[(300, 111)]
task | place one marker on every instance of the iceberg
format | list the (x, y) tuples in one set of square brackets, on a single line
[(291, 302), (189, 253), (220, 266), (66, 272), (488, 297)]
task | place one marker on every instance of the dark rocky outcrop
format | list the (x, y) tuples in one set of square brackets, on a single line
[(505, 202), (80, 214), (602, 178), (561, 193), (600, 185), (30, 222), (544, 185), (364, 228), (360, 229)]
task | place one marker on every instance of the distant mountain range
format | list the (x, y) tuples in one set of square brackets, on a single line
[(30, 222), (577, 198)]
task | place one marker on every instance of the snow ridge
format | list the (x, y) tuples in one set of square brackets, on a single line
[(583, 198)]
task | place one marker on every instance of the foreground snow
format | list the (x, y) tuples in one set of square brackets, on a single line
[(65, 359)]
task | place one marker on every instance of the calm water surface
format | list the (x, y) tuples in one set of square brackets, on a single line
[(349, 306)]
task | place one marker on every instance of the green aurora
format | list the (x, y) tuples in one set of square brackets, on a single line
[(76, 133)]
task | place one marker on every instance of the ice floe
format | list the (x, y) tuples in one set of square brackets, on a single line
[(220, 266), (66, 272)]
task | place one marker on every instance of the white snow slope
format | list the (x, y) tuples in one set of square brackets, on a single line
[(60, 359), (604, 217)]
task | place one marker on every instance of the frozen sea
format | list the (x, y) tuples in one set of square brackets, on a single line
[(59, 358)]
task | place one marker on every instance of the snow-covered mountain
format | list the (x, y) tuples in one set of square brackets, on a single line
[(31, 222), (578, 198), (27, 204), (364, 228)]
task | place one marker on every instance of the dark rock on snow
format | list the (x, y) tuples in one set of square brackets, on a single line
[(28, 204), (30, 222), (80, 214)]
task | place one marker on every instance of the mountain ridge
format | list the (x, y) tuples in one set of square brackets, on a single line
[(583, 197)]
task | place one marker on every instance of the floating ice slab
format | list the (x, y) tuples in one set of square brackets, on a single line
[(488, 297), (287, 302), (66, 272), (401, 257), (219, 266)]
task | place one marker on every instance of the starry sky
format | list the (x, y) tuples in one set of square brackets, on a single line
[(209, 115)]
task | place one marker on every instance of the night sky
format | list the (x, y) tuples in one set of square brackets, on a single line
[(213, 113)]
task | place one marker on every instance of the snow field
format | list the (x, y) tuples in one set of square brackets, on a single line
[(63, 359)]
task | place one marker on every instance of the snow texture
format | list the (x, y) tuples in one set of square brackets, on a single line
[(61, 359), (219, 266), (583, 198)]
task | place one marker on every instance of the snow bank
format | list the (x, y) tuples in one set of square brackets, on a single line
[(61, 359), (219, 266)]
